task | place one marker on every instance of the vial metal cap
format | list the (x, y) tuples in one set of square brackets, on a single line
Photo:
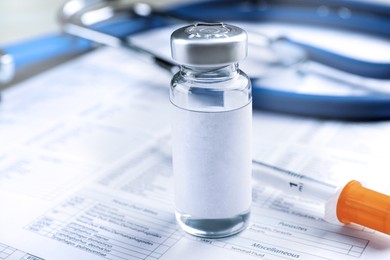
[(205, 44)]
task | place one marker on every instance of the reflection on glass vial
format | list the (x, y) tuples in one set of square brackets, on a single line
[(211, 130)]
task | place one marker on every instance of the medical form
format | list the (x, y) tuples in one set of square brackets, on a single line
[(85, 172)]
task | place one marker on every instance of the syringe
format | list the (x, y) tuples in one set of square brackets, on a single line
[(350, 203)]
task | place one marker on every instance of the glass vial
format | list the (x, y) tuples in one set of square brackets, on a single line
[(211, 130)]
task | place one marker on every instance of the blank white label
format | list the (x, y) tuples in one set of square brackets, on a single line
[(212, 162)]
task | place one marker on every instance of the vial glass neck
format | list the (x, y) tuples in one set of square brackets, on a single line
[(210, 73)]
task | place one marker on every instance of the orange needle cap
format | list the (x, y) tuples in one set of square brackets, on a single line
[(365, 207)]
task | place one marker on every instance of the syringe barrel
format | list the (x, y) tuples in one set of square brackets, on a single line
[(292, 183), (351, 203)]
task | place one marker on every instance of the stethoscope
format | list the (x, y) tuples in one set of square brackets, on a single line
[(111, 22)]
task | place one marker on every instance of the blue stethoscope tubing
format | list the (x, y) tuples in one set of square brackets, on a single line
[(367, 18), (362, 17)]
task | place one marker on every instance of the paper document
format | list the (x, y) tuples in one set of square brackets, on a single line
[(85, 172)]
